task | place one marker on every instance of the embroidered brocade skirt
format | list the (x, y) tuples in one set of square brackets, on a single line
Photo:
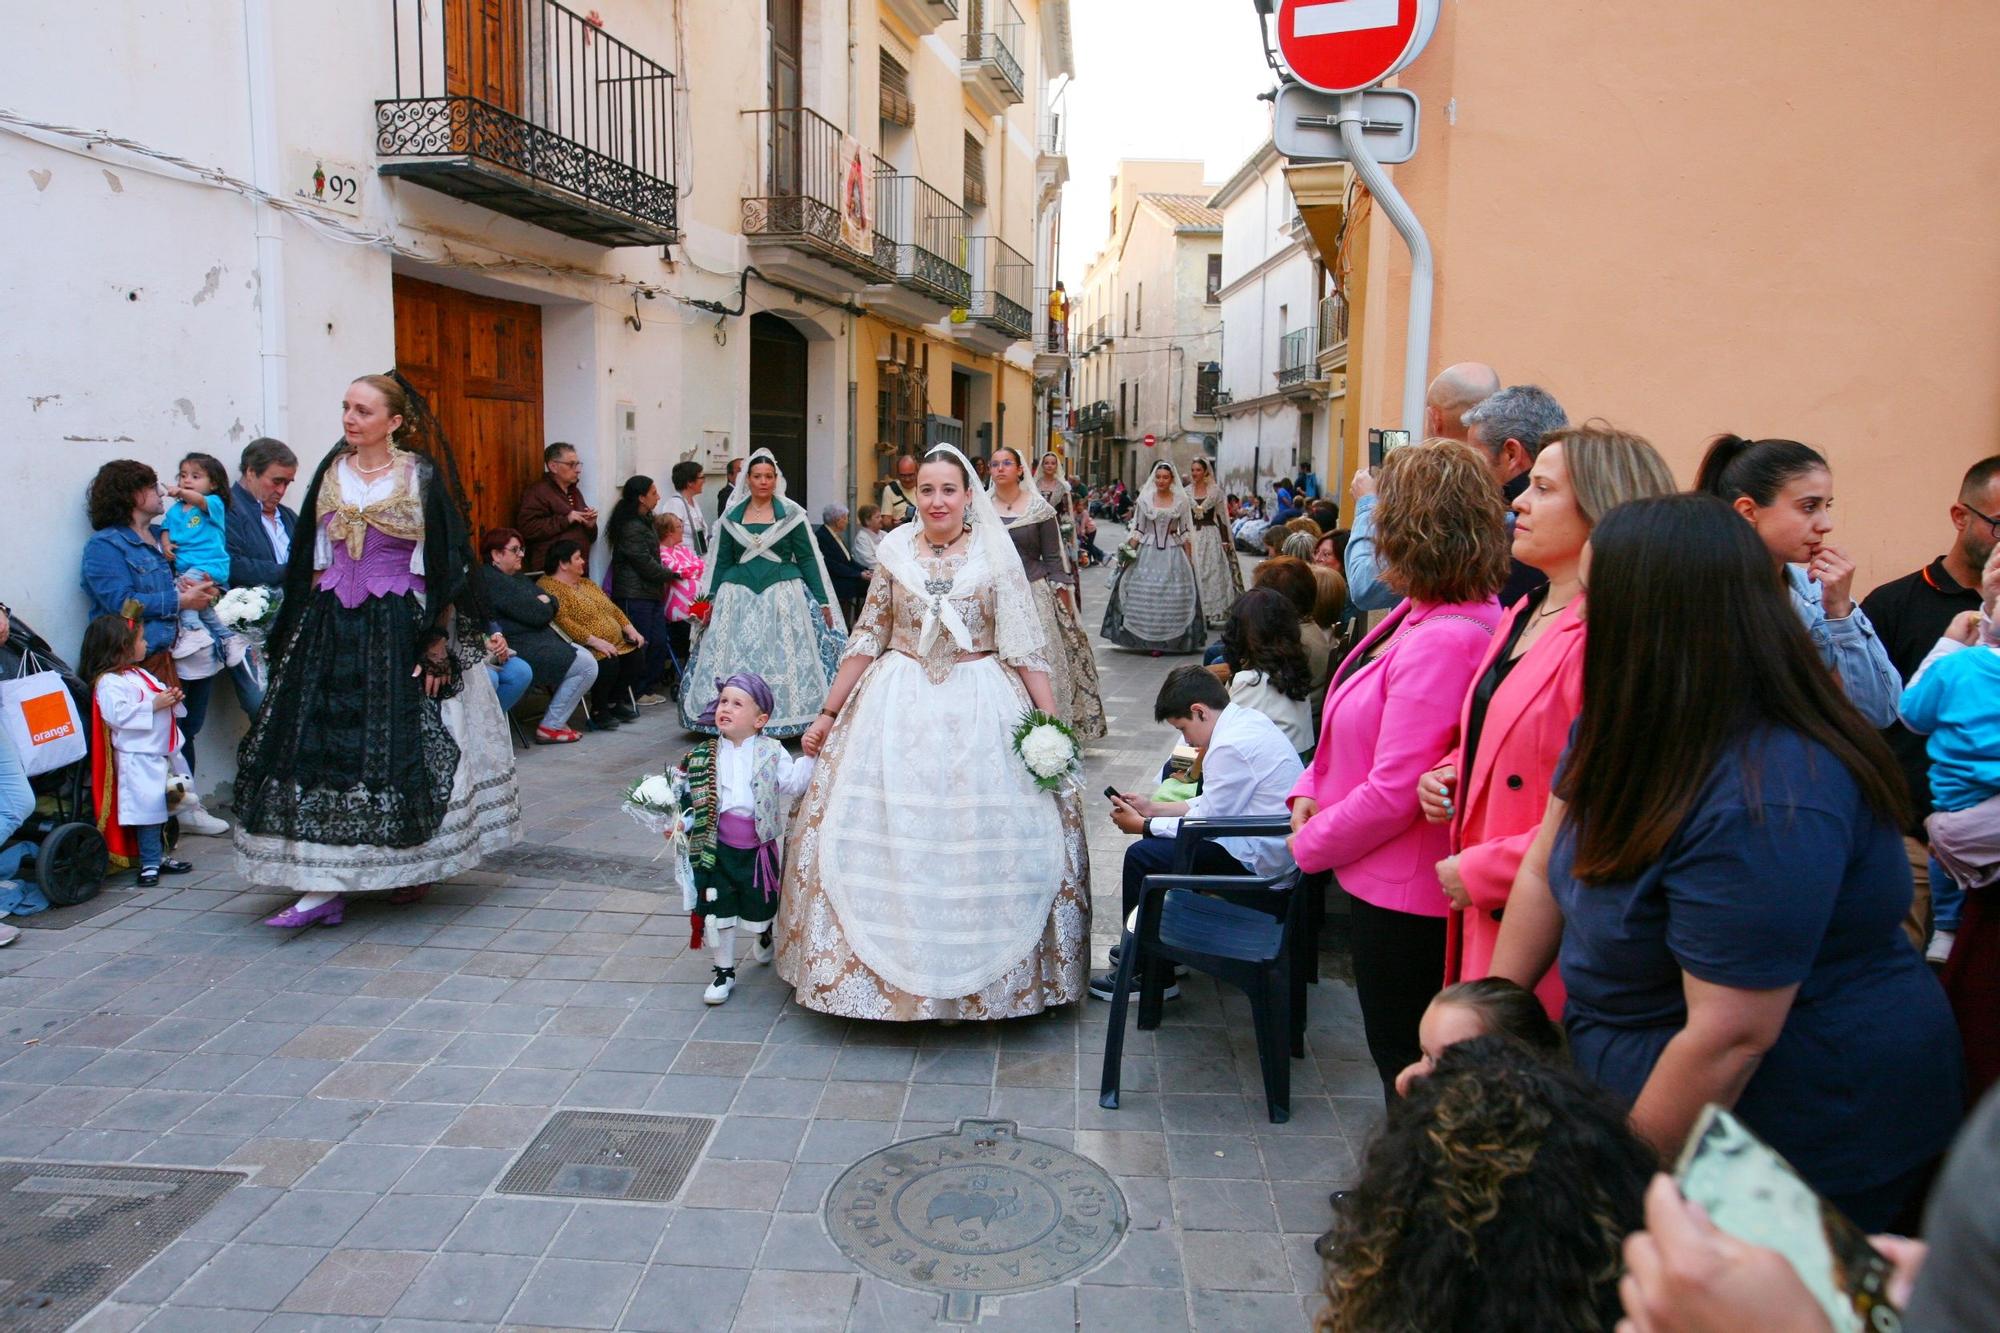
[(1072, 665), (1217, 572), (1155, 604), (351, 780), (781, 635), (927, 877)]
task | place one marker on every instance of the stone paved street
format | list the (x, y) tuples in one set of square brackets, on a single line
[(374, 1082)]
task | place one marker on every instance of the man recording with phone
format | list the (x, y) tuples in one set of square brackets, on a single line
[(1247, 768)]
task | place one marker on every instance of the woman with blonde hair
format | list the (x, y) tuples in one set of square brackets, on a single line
[(1494, 785), (1442, 540)]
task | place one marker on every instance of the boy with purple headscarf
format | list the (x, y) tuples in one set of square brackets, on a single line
[(739, 786)]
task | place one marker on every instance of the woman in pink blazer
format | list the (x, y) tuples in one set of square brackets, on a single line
[(1391, 710), (1528, 691)]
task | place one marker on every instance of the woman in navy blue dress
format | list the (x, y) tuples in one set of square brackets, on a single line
[(1721, 881)]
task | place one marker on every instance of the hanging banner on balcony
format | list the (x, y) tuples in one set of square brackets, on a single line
[(857, 224)]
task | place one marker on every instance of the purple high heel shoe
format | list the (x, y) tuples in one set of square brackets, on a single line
[(329, 913)]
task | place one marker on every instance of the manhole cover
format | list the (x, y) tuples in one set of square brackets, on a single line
[(70, 1235), (609, 1155), (981, 1212), (545, 860)]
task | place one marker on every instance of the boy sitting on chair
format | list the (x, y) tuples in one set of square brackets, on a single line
[(1247, 768), (739, 786)]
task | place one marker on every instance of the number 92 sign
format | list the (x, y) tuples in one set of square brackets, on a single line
[(332, 185)]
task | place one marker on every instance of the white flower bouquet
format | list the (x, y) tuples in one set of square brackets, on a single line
[(1048, 747), (1129, 551), (658, 802), (249, 612)]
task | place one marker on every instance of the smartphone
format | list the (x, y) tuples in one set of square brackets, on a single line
[(1112, 792), (1754, 1194), (1382, 443)]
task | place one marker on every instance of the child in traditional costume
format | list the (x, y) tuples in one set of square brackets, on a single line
[(739, 786), (135, 735)]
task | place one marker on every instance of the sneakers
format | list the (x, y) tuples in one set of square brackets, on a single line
[(1105, 985), (761, 951), (718, 990), (556, 736), (8, 934), (194, 819), (653, 700), (1118, 951), (1940, 950)]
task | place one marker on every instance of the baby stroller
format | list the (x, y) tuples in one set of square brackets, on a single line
[(57, 846)]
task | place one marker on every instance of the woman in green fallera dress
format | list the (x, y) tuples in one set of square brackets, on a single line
[(771, 613)]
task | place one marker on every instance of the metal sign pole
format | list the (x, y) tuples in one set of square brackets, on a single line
[(1416, 353)]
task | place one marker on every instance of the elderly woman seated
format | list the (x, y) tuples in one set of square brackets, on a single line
[(526, 616), (586, 615)]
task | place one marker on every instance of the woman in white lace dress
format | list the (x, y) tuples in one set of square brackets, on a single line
[(1155, 602), (772, 606), (929, 878), (1216, 570)]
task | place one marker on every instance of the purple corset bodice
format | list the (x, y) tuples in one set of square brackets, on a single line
[(382, 571)]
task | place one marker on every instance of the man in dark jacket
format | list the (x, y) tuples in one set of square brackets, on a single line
[(850, 577), (259, 531), (554, 508)]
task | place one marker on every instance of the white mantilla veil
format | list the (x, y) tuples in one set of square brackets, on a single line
[(1146, 500), (1017, 629), (787, 515)]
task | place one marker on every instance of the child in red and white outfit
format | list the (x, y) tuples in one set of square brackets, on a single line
[(136, 713)]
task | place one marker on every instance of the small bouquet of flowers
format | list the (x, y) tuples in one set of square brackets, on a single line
[(656, 802), (1129, 551), (1048, 747), (700, 609), (249, 612)]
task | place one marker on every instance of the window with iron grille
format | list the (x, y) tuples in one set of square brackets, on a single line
[(1207, 380), (1214, 278), (897, 108), (975, 171)]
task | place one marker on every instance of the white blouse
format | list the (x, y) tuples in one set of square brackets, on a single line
[(735, 769)]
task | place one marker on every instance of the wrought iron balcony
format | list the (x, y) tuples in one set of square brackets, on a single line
[(1295, 357), (1050, 334), (930, 235), (993, 34), (1001, 280), (1333, 330), (807, 183), (1094, 416), (532, 110)]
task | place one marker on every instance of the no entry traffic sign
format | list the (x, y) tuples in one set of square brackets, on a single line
[(1343, 46)]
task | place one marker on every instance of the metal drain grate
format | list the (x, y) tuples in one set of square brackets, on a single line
[(610, 1155), (544, 860), (70, 1235)]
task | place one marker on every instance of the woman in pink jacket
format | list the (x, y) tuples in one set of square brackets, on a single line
[(1528, 690), (1391, 710)]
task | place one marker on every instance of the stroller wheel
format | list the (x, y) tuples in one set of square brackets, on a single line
[(70, 864)]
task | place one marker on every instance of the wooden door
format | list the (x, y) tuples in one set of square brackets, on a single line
[(786, 94), (778, 398), (482, 51), (479, 362)]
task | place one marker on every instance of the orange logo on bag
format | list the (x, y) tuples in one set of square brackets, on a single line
[(48, 718)]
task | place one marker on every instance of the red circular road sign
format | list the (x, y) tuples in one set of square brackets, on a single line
[(1150, 442), (1343, 46)]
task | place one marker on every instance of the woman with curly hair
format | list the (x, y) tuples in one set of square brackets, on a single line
[(1261, 640), (1496, 1197), (1394, 705)]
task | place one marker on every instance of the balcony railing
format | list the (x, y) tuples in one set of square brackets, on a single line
[(1332, 323), (930, 235), (802, 179), (1295, 356), (993, 34), (1094, 416), (1001, 281), (1052, 135), (532, 110)]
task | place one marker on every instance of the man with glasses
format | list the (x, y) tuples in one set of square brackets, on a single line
[(1910, 615), (554, 508)]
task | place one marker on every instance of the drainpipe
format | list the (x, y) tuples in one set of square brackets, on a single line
[(267, 173), (853, 324)]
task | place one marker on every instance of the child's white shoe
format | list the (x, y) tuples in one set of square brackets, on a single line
[(762, 951), (718, 990)]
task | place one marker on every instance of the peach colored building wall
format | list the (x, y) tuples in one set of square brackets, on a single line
[(1777, 219)]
